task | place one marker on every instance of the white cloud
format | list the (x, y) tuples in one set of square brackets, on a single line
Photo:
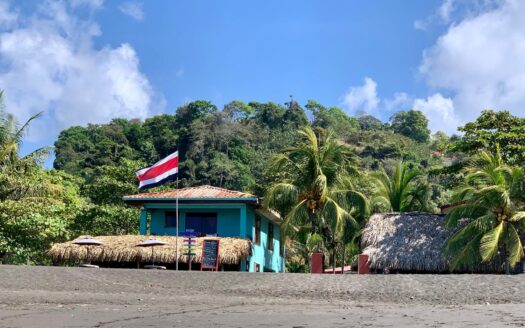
[(8, 18), (48, 63), (439, 112), (445, 10), (94, 4), (362, 98), (401, 101), (420, 25), (480, 61), (132, 9), (442, 15)]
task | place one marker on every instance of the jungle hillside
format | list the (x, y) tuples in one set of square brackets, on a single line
[(374, 166)]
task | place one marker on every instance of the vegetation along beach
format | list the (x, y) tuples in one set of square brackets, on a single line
[(277, 163)]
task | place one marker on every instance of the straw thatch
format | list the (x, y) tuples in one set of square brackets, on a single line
[(125, 249), (406, 242)]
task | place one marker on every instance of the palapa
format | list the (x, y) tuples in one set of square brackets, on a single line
[(406, 242), (124, 249)]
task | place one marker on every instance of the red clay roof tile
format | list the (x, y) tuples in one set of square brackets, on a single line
[(200, 192)]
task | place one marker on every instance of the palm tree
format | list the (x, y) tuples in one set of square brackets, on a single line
[(491, 209), (314, 187), (16, 173), (402, 192)]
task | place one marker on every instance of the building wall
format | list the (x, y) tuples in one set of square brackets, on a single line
[(267, 260), (229, 217), (228, 221)]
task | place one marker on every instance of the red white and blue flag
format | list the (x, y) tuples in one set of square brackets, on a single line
[(162, 171)]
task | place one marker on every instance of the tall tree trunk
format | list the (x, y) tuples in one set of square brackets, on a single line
[(506, 260), (343, 261), (314, 221), (334, 258)]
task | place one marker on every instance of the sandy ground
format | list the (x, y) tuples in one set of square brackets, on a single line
[(75, 297)]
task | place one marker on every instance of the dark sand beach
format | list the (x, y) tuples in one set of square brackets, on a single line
[(75, 297)]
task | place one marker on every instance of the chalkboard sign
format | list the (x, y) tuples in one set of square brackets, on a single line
[(210, 254)]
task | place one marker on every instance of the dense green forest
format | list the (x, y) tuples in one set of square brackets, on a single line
[(394, 166)]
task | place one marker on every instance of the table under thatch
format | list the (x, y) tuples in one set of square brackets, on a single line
[(124, 249)]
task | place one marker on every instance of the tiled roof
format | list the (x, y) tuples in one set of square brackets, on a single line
[(201, 192)]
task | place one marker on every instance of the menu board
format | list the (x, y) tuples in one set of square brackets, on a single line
[(210, 254)]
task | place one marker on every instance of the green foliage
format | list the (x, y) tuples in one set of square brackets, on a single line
[(40, 207), (332, 118), (370, 123), (311, 176), (313, 187), (493, 128), (28, 229), (402, 191), (80, 150), (490, 211), (108, 184), (412, 124), (105, 220), (377, 148)]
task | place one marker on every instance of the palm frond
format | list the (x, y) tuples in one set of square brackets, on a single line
[(514, 246), (490, 242)]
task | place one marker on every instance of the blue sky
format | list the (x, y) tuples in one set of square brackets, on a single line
[(87, 61)]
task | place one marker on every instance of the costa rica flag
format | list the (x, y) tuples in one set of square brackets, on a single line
[(162, 171)]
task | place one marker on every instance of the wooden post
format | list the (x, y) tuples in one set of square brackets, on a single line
[(317, 263), (362, 264)]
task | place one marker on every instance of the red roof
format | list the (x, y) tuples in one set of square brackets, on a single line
[(201, 192)]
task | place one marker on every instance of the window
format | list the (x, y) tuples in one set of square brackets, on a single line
[(170, 219), (270, 236), (202, 223), (257, 230)]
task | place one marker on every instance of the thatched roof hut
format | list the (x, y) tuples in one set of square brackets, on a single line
[(125, 249), (406, 242)]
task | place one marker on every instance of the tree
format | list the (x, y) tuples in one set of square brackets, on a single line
[(370, 123), (314, 187), (269, 114), (493, 128), (238, 111), (402, 191), (79, 150), (492, 206), (108, 184), (294, 115), (332, 118), (412, 124)]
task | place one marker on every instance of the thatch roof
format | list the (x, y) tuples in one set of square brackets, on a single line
[(406, 241), (125, 249)]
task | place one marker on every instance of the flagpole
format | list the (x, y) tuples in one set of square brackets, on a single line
[(177, 219)]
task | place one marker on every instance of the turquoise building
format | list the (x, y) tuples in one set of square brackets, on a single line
[(212, 211)]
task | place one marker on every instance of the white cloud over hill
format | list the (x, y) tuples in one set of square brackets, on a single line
[(49, 63), (479, 63)]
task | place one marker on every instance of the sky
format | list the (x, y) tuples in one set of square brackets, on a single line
[(88, 61)]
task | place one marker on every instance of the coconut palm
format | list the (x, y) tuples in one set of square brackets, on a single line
[(314, 187), (18, 174), (491, 210), (402, 191)]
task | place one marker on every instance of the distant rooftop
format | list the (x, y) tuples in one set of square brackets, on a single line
[(193, 193)]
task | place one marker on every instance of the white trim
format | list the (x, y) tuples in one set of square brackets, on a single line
[(158, 177), (162, 161), (270, 215), (167, 158)]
